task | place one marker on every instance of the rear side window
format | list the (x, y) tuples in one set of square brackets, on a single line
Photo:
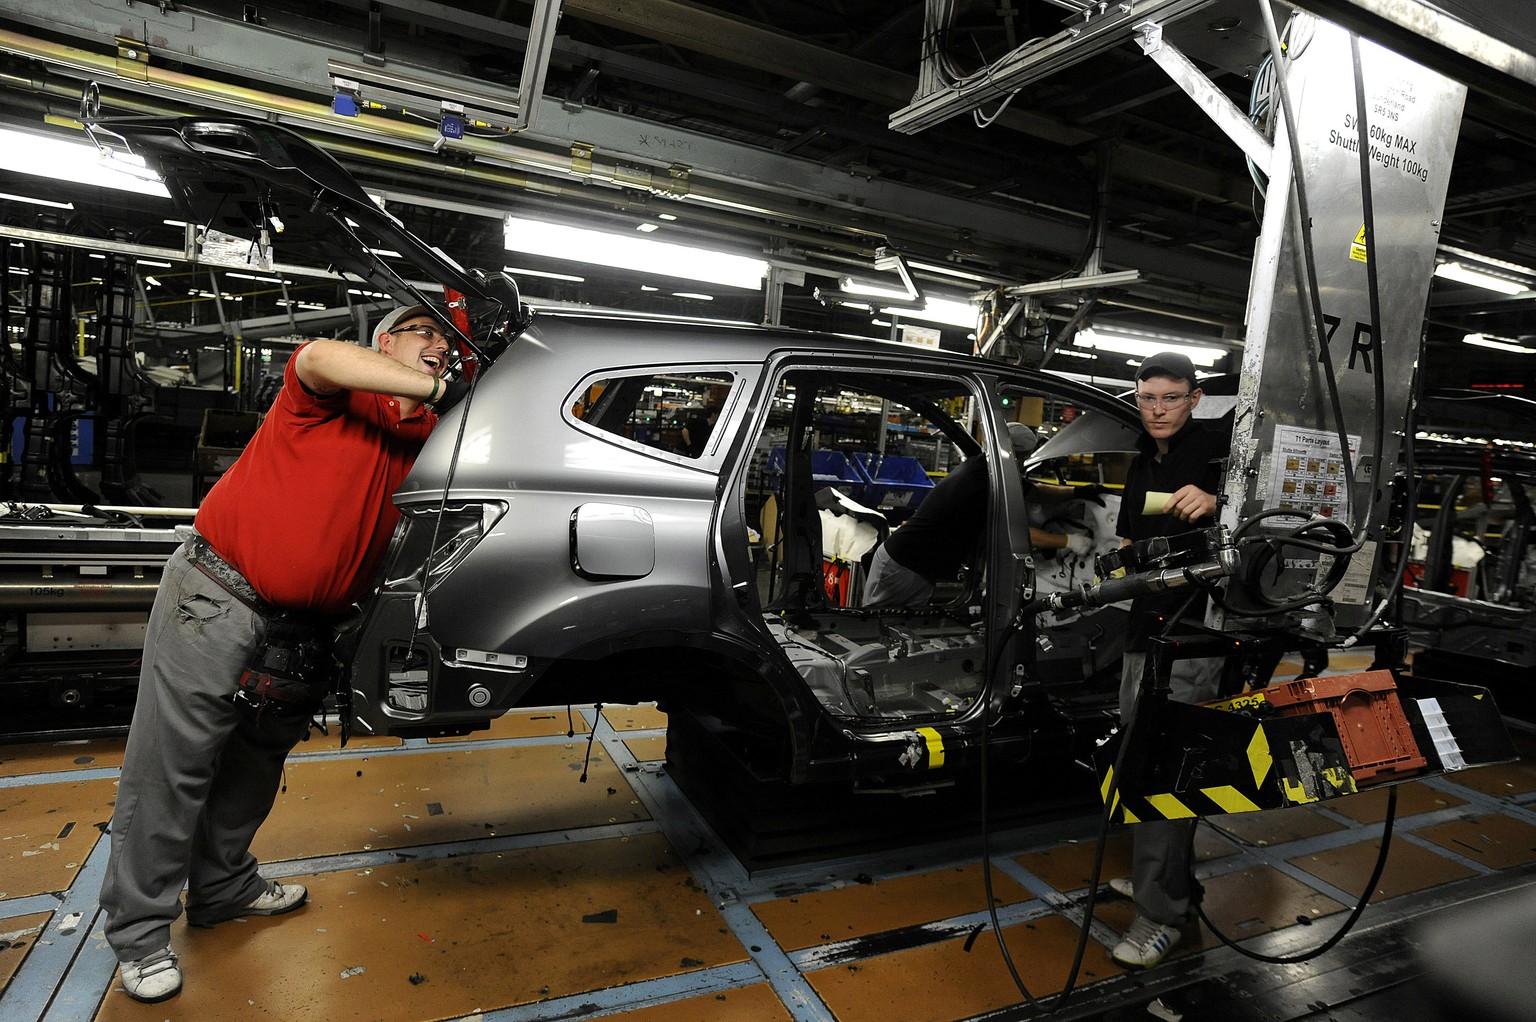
[(673, 411)]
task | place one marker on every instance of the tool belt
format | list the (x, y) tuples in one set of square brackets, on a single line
[(294, 668)]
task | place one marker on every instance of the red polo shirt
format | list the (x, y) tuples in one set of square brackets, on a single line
[(305, 513)]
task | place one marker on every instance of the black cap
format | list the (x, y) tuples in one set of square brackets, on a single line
[(1167, 363), (1023, 439)]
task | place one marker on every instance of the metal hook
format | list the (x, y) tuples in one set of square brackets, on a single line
[(90, 102)]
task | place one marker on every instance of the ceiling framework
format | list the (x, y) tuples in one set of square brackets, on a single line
[(766, 128)]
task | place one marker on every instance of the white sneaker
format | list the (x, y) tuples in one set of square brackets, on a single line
[(274, 901), (1123, 887), (152, 978), (1145, 943), (277, 899)]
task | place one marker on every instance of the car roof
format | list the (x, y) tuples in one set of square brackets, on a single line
[(630, 339)]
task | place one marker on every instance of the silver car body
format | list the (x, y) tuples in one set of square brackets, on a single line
[(570, 563)]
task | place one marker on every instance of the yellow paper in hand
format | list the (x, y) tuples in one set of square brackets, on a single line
[(1156, 502)]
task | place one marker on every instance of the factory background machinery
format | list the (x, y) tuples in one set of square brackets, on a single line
[(120, 415)]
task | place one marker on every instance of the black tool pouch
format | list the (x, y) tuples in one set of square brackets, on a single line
[(293, 670)]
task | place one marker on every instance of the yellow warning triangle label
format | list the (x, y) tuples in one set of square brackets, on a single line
[(1357, 250)]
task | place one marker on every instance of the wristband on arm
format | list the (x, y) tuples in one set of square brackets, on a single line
[(436, 387)]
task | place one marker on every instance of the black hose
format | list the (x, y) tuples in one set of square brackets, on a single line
[(1317, 328), (1378, 371), (1354, 915)]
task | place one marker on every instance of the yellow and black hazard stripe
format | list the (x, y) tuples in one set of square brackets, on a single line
[(1252, 776)]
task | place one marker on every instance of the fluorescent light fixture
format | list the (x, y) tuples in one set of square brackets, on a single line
[(37, 202), (174, 223), (626, 252), (386, 252), (666, 216), (1142, 344), (152, 262), (649, 287), (366, 294), (523, 270), (693, 294), (78, 162), (1466, 275), (647, 228), (252, 276), (1498, 343), (945, 311), (151, 281), (856, 287)]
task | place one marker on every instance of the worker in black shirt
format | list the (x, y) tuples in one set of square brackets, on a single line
[(1171, 488)]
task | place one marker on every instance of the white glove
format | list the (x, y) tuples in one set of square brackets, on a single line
[(1080, 545)]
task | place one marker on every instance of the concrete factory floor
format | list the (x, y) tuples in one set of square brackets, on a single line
[(480, 878)]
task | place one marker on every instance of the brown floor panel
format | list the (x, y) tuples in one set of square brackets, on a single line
[(1498, 842), (643, 717), (822, 917), (332, 743), (445, 938), (1506, 780), (48, 830), (17, 935), (393, 801), (756, 1003), (1290, 668), (943, 982), (1409, 868), (541, 723), (1275, 826), (1412, 798), (647, 750), (55, 757), (1243, 904), (1068, 867), (1258, 900)]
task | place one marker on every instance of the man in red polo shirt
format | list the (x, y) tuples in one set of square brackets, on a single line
[(286, 541)]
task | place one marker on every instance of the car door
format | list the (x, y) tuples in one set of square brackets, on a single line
[(838, 455)]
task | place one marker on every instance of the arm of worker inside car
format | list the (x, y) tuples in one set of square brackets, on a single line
[(325, 367)]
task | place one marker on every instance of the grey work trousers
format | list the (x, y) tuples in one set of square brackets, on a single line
[(892, 584), (200, 773), (1162, 851)]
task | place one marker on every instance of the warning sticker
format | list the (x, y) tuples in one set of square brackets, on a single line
[(1357, 250)]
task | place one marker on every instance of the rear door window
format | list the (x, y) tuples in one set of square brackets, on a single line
[(671, 410)]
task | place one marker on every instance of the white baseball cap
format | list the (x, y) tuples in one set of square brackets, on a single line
[(404, 312)]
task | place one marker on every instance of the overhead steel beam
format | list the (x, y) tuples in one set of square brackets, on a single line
[(1103, 26), (714, 170), (1470, 53), (706, 30), (280, 57)]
